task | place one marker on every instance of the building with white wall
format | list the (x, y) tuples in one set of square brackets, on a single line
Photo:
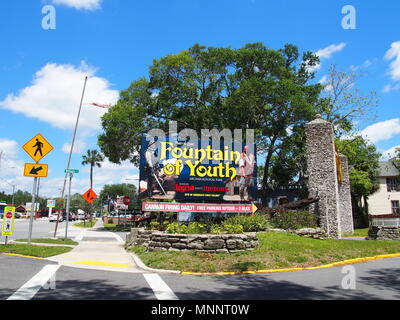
[(387, 199)]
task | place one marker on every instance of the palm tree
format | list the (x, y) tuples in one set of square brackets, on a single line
[(92, 158)]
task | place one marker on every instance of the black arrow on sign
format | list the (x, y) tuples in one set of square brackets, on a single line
[(35, 171)]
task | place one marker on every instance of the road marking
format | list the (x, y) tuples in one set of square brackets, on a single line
[(159, 287), (81, 235), (30, 288), (119, 239), (104, 264)]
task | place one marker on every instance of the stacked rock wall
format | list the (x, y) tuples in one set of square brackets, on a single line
[(384, 233), (161, 241)]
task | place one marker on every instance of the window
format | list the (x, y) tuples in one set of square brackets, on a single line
[(395, 206), (392, 184)]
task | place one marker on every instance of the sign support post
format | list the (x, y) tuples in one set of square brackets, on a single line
[(32, 210), (68, 205)]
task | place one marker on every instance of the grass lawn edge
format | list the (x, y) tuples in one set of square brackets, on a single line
[(228, 264)]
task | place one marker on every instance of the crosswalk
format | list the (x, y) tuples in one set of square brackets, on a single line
[(46, 279)]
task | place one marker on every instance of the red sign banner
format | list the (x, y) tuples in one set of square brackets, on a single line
[(198, 207)]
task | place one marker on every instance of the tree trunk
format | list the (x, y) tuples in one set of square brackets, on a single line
[(91, 176), (265, 187)]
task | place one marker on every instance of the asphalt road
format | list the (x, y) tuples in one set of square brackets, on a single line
[(42, 228), (374, 280)]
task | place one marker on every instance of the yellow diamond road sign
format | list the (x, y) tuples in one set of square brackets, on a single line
[(37, 147), (36, 170)]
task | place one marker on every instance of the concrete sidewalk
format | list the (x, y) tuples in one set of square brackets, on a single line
[(98, 249)]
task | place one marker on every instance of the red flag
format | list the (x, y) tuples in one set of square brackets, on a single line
[(105, 106)]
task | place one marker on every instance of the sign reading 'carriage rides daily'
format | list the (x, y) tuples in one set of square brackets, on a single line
[(186, 171)]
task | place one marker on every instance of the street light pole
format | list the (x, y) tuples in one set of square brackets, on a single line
[(13, 195), (72, 149)]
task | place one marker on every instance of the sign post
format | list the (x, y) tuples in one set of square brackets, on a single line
[(37, 148), (68, 205), (8, 223)]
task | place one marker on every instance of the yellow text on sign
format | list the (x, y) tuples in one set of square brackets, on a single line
[(7, 228), (36, 170), (37, 148)]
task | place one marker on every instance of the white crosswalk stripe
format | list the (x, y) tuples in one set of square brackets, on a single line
[(159, 287), (30, 288)]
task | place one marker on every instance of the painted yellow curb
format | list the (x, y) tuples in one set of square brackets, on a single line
[(330, 265), (20, 255), (103, 264)]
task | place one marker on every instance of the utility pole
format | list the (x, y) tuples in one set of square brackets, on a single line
[(68, 206), (70, 152)]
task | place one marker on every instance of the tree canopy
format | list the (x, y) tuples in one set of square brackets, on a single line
[(253, 87)]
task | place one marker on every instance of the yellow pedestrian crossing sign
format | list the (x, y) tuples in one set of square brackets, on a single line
[(38, 147), (36, 170)]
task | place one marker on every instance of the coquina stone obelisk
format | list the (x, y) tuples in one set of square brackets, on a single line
[(328, 178)]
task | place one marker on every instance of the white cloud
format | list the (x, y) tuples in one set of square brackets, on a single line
[(55, 94), (80, 4), (327, 53), (389, 153), (8, 148), (382, 130), (79, 147), (391, 87), (394, 53)]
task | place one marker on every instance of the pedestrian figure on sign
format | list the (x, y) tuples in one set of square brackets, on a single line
[(8, 227), (38, 146)]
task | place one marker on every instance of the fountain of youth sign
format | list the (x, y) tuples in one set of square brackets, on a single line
[(184, 171)]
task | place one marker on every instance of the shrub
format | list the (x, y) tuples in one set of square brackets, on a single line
[(173, 228), (295, 220), (195, 227), (216, 229), (177, 228), (250, 223), (154, 225), (233, 228)]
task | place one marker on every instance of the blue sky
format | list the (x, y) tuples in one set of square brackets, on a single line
[(115, 41)]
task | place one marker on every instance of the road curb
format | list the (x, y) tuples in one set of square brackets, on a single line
[(45, 244), (21, 256), (139, 263), (330, 265)]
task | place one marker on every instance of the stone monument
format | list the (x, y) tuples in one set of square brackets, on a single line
[(328, 178)]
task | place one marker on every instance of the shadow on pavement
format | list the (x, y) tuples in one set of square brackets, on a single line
[(263, 288)]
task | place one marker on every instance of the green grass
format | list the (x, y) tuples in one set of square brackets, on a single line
[(276, 250), (358, 233), (51, 241), (87, 224), (33, 251), (117, 228)]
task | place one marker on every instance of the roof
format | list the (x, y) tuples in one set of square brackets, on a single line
[(387, 169)]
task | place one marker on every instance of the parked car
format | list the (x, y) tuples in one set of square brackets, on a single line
[(69, 216), (81, 216), (53, 218)]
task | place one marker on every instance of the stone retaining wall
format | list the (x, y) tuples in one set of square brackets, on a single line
[(383, 233), (161, 241)]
